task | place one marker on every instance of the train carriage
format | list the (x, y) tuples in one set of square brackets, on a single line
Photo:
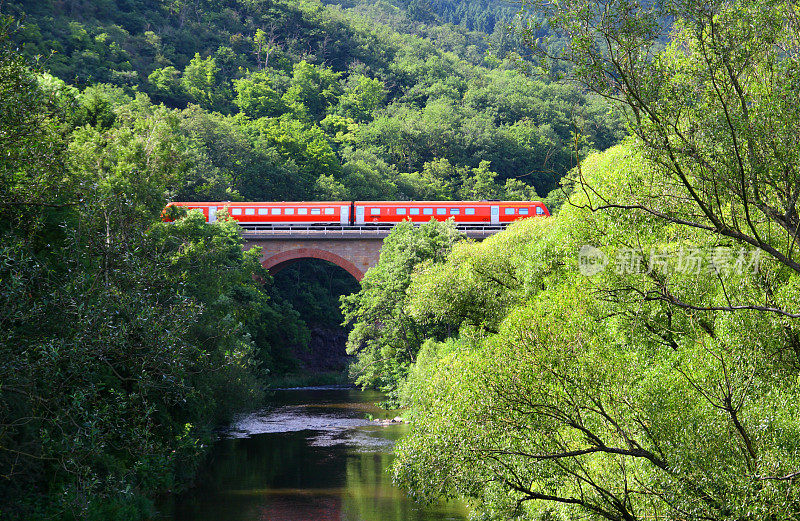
[(283, 213), (462, 212)]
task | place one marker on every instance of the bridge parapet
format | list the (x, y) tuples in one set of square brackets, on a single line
[(255, 232)]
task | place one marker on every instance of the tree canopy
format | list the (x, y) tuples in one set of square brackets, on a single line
[(563, 394)]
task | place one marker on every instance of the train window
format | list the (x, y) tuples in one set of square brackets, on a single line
[(250, 211), (316, 211), (401, 211), (524, 211), (509, 211), (302, 211), (263, 211), (290, 211), (539, 210), (469, 211), (441, 211), (236, 211), (328, 211), (455, 211), (374, 211), (275, 211), (414, 211), (427, 211)]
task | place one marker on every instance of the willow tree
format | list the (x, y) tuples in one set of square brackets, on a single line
[(711, 91)]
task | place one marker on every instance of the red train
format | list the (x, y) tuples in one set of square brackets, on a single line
[(367, 213)]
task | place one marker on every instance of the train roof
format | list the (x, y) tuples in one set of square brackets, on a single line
[(255, 203), (447, 202)]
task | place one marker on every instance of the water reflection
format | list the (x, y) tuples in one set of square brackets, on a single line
[(312, 456)]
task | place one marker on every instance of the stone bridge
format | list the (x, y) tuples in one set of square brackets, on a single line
[(354, 249)]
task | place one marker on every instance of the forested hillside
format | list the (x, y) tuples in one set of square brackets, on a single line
[(304, 101), (299, 100)]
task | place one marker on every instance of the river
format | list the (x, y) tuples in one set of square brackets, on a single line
[(310, 455)]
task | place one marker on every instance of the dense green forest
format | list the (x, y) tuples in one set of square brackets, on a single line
[(637, 355), (305, 101)]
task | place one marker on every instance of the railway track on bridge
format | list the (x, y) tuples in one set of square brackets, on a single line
[(295, 232)]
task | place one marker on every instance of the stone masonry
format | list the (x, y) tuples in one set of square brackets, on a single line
[(355, 250), (355, 256)]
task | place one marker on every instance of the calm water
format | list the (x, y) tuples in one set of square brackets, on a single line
[(311, 455)]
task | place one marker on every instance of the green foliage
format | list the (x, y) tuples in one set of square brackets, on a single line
[(306, 148), (123, 338), (434, 183), (314, 286), (384, 338), (558, 391), (711, 96), (204, 84), (313, 90), (227, 164), (362, 98), (480, 185), (167, 86), (477, 285), (256, 96), (368, 177)]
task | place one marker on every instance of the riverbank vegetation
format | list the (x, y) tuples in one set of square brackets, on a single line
[(563, 393), (123, 338), (636, 356)]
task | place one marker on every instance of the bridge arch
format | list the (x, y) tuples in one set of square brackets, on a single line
[(277, 262)]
